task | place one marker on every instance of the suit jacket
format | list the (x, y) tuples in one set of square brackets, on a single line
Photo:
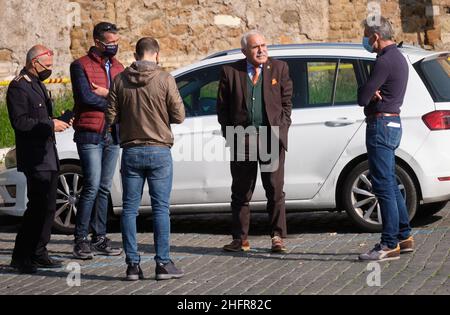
[(277, 94), (30, 112)]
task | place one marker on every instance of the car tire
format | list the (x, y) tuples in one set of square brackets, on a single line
[(429, 209), (362, 205), (70, 183)]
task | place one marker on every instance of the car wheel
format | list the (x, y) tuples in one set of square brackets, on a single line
[(361, 204), (430, 209), (70, 183)]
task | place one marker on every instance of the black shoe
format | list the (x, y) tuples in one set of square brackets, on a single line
[(82, 250), (100, 246), (46, 262), (134, 272), (26, 267), (167, 271), (23, 266), (14, 263)]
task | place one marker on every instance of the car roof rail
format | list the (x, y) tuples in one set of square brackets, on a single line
[(290, 46)]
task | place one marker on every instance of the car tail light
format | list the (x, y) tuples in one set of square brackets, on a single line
[(437, 120), (443, 179)]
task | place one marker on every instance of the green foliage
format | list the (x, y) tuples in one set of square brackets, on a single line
[(61, 103)]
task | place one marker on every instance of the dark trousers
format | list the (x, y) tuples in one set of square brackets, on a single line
[(244, 174), (35, 232)]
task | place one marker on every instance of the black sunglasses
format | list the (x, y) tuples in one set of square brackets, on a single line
[(108, 27)]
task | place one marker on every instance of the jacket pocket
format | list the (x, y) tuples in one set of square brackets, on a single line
[(39, 110)]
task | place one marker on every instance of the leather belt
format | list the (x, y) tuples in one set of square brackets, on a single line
[(377, 115)]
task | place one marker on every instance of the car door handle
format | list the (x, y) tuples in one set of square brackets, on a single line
[(217, 132), (339, 122)]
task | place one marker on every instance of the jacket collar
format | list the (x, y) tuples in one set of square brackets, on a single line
[(386, 49), (97, 57), (267, 77), (28, 75), (243, 64), (36, 84)]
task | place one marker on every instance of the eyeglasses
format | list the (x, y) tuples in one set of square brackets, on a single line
[(45, 53), (108, 27)]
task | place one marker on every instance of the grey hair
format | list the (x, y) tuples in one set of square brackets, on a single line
[(246, 36), (383, 28)]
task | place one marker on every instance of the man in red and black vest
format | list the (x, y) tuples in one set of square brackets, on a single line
[(97, 142)]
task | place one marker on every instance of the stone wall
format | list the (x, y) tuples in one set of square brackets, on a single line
[(188, 30), (25, 23), (191, 29)]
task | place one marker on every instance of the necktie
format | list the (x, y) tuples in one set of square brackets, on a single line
[(256, 75)]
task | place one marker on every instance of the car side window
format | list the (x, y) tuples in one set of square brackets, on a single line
[(346, 84), (331, 82), (321, 77), (436, 75), (297, 75), (316, 83), (324, 82), (198, 89), (368, 67)]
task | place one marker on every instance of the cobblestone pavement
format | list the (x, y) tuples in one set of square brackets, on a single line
[(321, 259)]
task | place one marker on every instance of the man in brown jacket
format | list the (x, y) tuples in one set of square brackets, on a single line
[(256, 92), (144, 100)]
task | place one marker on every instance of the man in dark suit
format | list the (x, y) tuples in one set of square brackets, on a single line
[(255, 93), (30, 112)]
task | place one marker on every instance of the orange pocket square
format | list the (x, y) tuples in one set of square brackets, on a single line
[(274, 81)]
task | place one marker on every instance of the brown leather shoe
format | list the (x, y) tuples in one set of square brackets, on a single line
[(237, 245), (407, 246), (278, 245)]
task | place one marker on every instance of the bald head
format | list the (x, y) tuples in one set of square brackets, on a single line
[(36, 51), (39, 61)]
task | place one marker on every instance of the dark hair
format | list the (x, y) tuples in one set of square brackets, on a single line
[(104, 27), (146, 44)]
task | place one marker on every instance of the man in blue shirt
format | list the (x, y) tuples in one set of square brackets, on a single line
[(382, 96)]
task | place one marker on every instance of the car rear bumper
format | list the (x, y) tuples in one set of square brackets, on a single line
[(432, 165), (13, 191)]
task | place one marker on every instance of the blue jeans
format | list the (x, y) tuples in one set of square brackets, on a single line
[(154, 164), (383, 135), (98, 162)]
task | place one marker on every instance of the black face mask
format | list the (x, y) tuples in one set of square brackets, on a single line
[(110, 50), (44, 74)]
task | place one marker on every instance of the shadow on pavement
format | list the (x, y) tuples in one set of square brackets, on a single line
[(220, 223)]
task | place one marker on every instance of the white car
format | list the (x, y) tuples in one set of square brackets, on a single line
[(326, 166)]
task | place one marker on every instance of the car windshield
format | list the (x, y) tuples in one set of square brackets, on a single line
[(436, 73)]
